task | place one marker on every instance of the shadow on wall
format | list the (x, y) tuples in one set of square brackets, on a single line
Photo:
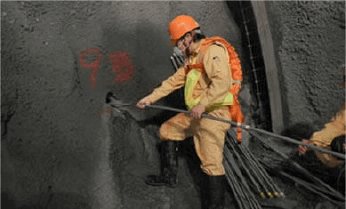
[(7, 201), (133, 151), (149, 52), (47, 200)]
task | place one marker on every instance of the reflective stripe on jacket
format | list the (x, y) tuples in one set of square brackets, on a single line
[(210, 72), (191, 80)]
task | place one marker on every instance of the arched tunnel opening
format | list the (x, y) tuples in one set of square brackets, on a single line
[(72, 73)]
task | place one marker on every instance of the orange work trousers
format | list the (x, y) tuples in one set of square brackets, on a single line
[(208, 135)]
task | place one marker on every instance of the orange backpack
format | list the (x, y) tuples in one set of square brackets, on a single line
[(236, 72)]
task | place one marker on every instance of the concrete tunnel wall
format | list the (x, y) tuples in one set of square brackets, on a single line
[(61, 145), (309, 45)]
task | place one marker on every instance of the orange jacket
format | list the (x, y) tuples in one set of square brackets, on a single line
[(211, 87)]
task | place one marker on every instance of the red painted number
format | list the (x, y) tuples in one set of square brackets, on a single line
[(93, 66), (121, 66)]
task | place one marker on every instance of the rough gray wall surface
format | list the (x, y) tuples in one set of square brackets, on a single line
[(309, 38), (61, 146)]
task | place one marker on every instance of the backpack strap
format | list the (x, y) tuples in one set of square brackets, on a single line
[(200, 66)]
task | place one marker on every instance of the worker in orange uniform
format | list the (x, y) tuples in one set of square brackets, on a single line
[(205, 92), (324, 138), (331, 137)]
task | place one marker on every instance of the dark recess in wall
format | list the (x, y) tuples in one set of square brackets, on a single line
[(256, 76)]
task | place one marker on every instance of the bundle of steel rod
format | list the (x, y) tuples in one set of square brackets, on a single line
[(316, 185), (241, 190), (242, 169), (270, 189)]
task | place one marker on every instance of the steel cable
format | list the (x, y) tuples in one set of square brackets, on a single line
[(247, 127)]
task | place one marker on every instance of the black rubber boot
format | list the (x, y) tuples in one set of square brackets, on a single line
[(204, 190), (169, 166), (216, 192)]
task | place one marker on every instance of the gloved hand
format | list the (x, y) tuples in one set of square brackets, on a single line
[(143, 102)]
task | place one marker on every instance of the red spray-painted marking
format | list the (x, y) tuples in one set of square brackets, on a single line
[(121, 65), (107, 111), (93, 66)]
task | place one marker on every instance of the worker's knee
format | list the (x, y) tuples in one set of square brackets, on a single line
[(165, 129), (171, 132), (213, 169)]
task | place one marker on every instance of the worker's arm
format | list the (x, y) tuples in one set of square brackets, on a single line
[(217, 69), (335, 127), (323, 138), (174, 82)]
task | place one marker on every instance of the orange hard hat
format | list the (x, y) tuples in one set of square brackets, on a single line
[(181, 25)]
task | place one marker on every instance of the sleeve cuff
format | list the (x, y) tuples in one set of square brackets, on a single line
[(203, 102)]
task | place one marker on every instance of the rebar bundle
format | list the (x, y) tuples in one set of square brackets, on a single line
[(315, 184), (242, 169)]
